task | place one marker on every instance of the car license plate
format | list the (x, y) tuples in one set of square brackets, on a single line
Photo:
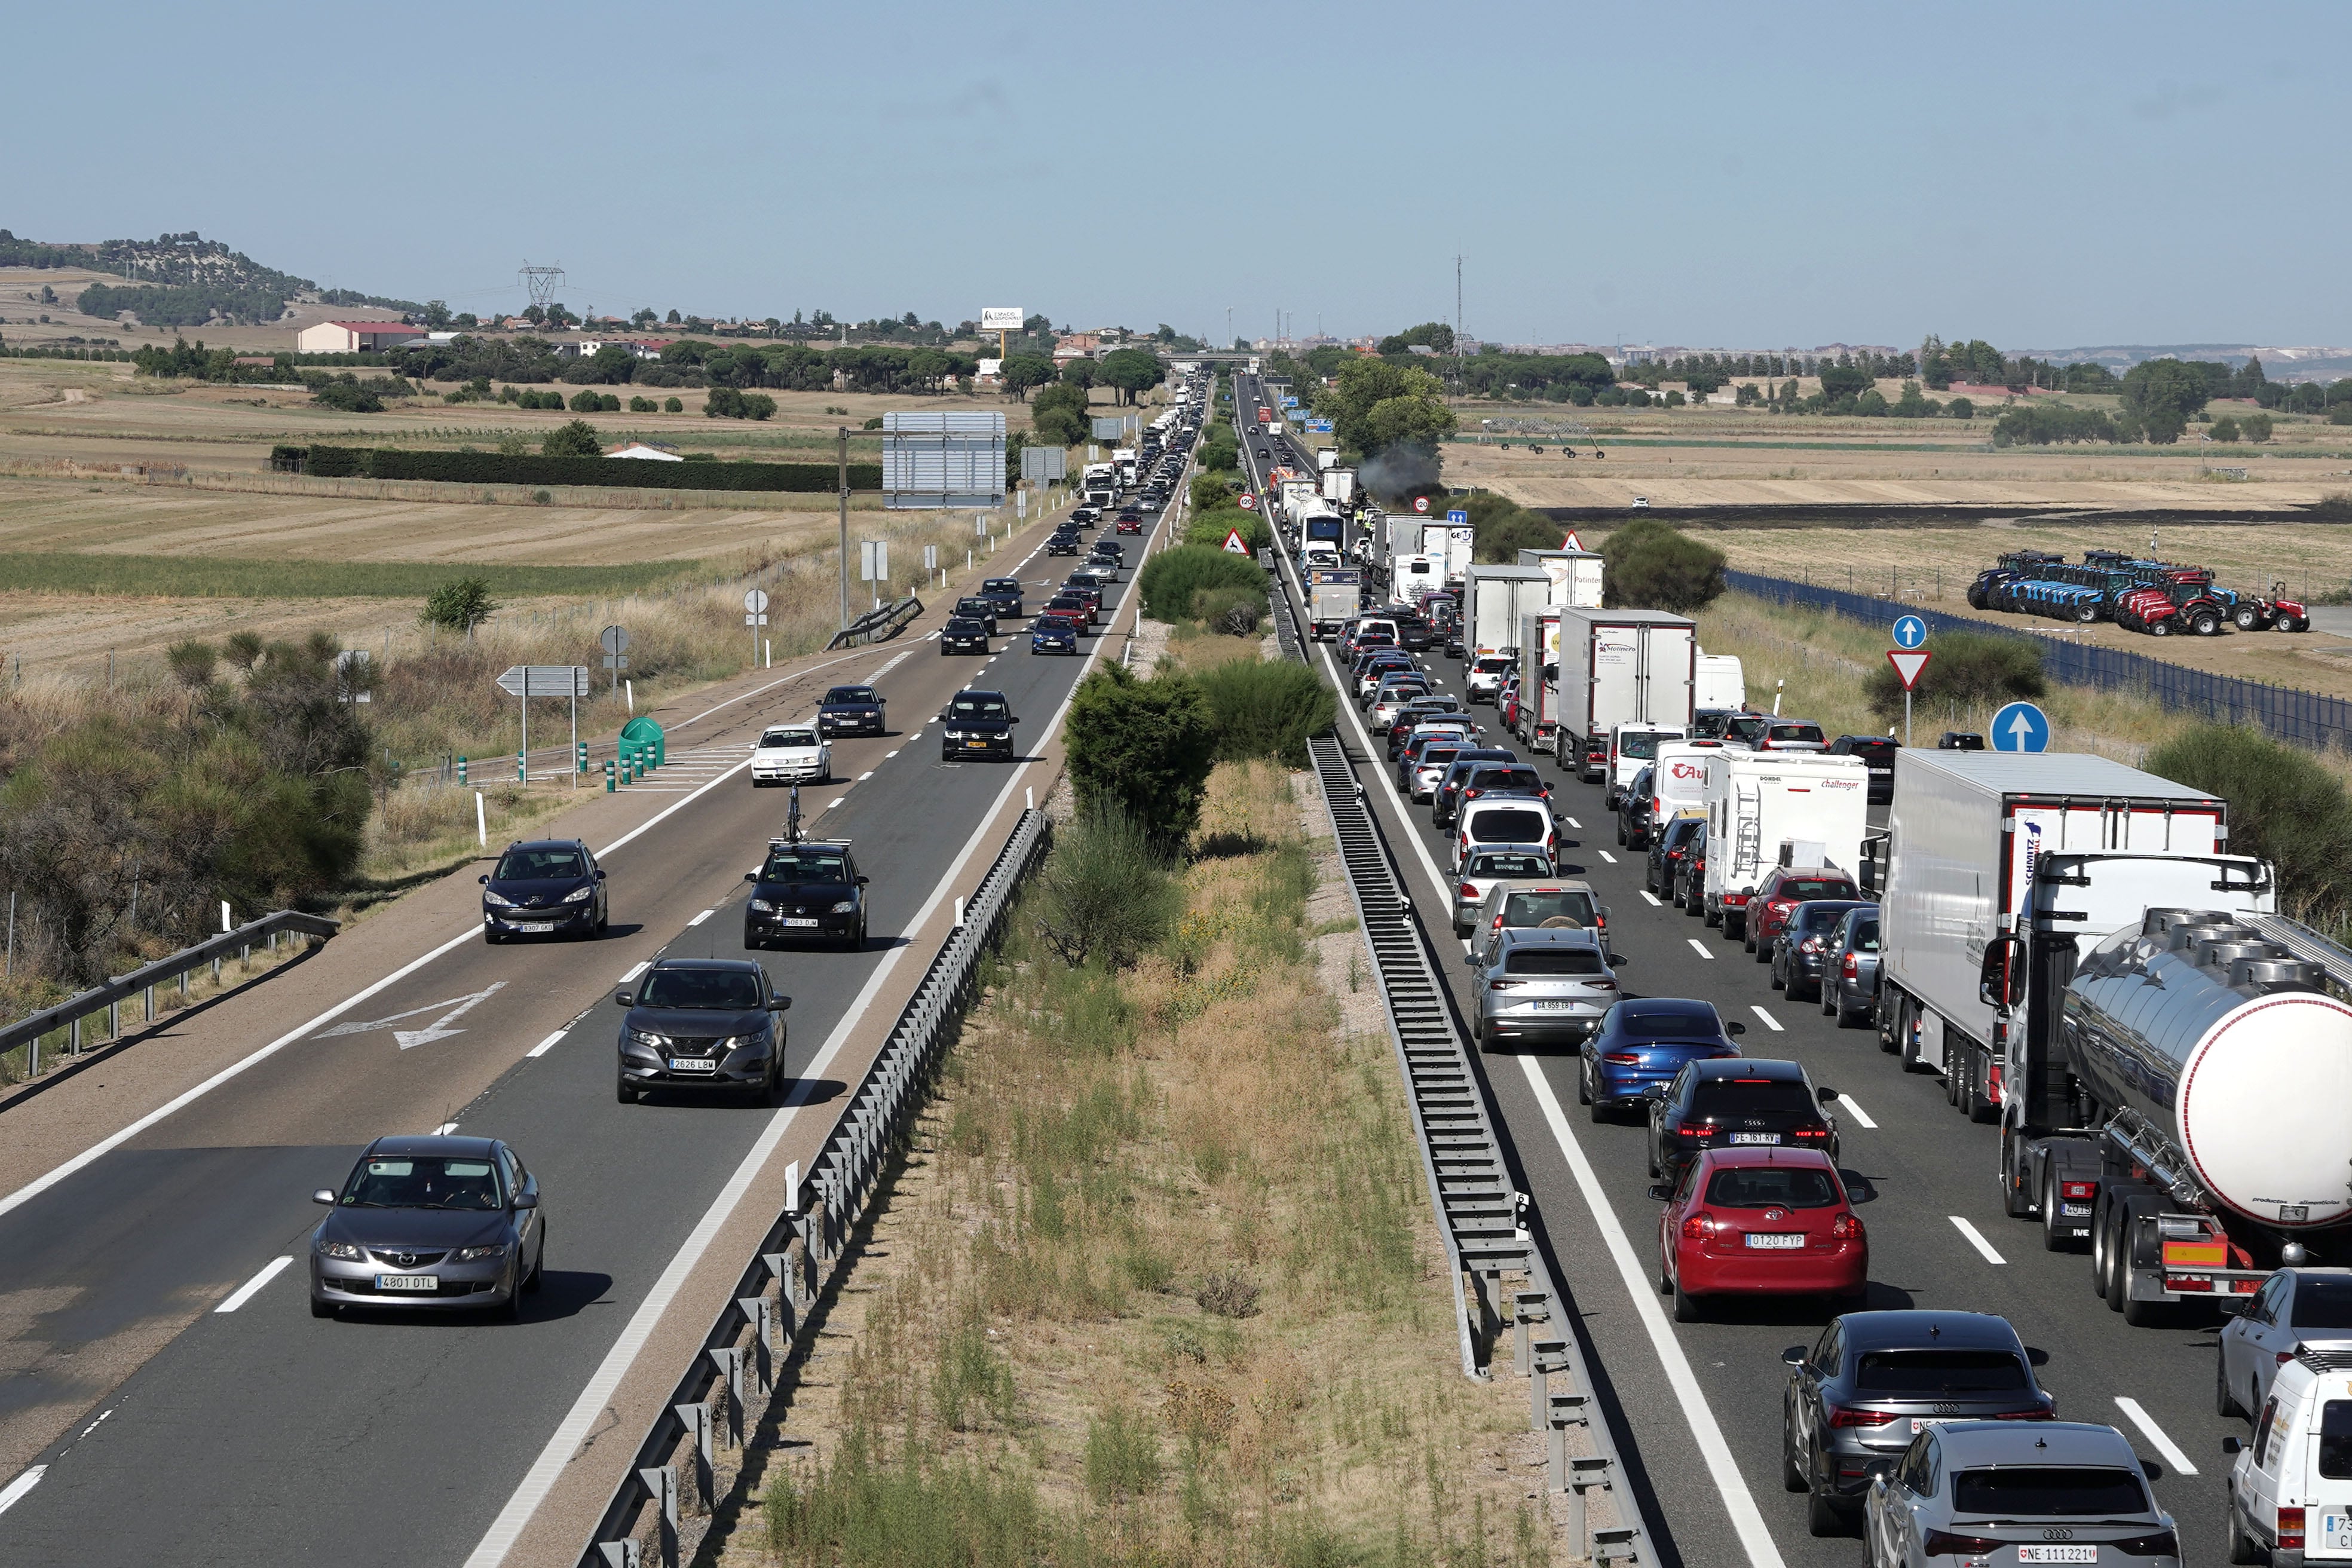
[(692, 1064), (797, 920), (536, 927), (2074, 1211), (975, 745), (2057, 1554), (1551, 1006), (426, 1283), (1756, 1138), (2335, 1531), (1775, 1241)]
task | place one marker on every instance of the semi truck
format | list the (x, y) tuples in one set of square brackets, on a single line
[(1767, 809), (1496, 599), (1613, 666), (1101, 484), (1338, 485), (1538, 715), (1333, 596), (1123, 458), (1575, 575)]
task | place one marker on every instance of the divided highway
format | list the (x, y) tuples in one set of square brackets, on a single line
[(1699, 1405), (171, 1400)]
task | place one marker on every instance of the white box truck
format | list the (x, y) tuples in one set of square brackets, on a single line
[(1332, 595), (1538, 715), (1495, 600), (1325, 457), (1461, 550), (1617, 667), (1339, 486), (1575, 575), (1757, 802), (1721, 682)]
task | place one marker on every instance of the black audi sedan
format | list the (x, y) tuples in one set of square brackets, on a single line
[(850, 711), (431, 1222), (811, 889), (545, 887), (979, 724), (1745, 1101), (700, 1022)]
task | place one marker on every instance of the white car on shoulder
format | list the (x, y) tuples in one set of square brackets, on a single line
[(791, 753)]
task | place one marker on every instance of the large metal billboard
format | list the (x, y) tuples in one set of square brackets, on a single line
[(931, 460)]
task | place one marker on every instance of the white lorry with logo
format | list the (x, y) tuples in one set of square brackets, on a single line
[(1766, 809), (1616, 667)]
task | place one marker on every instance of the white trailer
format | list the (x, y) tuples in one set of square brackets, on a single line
[(1721, 682), (1339, 484), (1460, 549), (1494, 599), (1539, 717), (1332, 596), (1325, 457), (1618, 667), (1760, 805), (1575, 575)]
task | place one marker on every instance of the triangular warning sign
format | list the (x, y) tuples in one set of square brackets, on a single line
[(1570, 542), (1233, 542), (1909, 663)]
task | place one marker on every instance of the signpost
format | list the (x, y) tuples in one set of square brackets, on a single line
[(615, 641), (1570, 542), (1908, 665), (1002, 320), (1233, 544), (525, 681), (2021, 727), (755, 616)]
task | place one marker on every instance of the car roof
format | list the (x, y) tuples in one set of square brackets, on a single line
[(547, 844), (1651, 1007), (1969, 1445), (1532, 936), (1922, 1327), (978, 691), (1792, 872), (444, 1145), (1753, 1067), (727, 965)]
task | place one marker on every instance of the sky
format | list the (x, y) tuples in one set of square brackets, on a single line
[(1740, 176)]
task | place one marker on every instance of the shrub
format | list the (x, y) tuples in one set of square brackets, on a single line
[(585, 403), (1967, 668), (2284, 806), (1142, 746), (1210, 492), (515, 463), (1262, 710), (574, 438), (2257, 427), (1233, 611), (1170, 578), (1105, 892), (458, 605), (1648, 565), (2225, 428), (673, 406), (1210, 527), (1122, 1457), (642, 405)]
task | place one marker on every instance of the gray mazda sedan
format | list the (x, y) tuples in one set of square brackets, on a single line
[(430, 1223)]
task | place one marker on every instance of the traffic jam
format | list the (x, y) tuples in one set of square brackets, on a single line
[(2143, 1062)]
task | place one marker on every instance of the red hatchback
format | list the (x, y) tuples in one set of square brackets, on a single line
[(1129, 525), (1760, 1222), (1783, 889)]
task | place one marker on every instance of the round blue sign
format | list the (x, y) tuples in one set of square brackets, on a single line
[(2021, 727), (1910, 631)]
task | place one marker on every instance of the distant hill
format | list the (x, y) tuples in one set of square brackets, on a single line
[(181, 280)]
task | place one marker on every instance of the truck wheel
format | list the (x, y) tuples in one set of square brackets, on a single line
[(2246, 617), (2053, 1239)]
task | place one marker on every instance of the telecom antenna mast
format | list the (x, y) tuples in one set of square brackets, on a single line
[(541, 282)]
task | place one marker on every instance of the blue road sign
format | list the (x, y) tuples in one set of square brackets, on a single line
[(1458, 518), (1910, 631), (2021, 727)]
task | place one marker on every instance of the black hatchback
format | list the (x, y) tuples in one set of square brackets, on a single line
[(546, 886), (702, 1023), (979, 725), (1736, 1104), (810, 888)]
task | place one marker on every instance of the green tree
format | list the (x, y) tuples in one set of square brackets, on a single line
[(1969, 669), (437, 315), (2225, 428), (1961, 408), (1143, 748), (1375, 404), (1648, 565), (1843, 380), (459, 606), (2284, 805), (1131, 371), (1061, 414), (574, 438), (1079, 372), (2165, 393), (2257, 427), (1026, 373)]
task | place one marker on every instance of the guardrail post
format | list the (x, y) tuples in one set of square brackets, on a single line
[(74, 1037), (1567, 1410), (149, 995), (1584, 1475), (663, 1485), (1545, 1357), (731, 1373), (1529, 1308), (1615, 1545), (760, 1313), (114, 1020), (695, 1419), (618, 1554)]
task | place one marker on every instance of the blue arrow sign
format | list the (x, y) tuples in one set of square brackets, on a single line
[(2021, 727), (1458, 518), (1910, 631)]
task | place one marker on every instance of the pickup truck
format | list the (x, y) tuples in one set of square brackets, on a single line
[(850, 711)]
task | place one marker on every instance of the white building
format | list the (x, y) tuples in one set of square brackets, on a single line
[(643, 450), (354, 337)]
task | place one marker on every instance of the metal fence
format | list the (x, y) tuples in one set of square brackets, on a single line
[(750, 1347), (2289, 714), (877, 624)]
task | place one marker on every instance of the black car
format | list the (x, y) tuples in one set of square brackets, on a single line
[(1856, 1399), (1877, 752), (811, 889), (979, 724), (1063, 545), (962, 634), (1709, 723), (1447, 796), (1730, 1104), (1004, 592), (430, 1222), (978, 607), (1800, 946), (850, 711), (1669, 846), (1083, 515), (545, 887), (1961, 741), (1633, 810), (1689, 888), (695, 1022), (1413, 634)]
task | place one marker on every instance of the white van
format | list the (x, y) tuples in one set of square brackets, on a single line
[(2291, 1485), (1631, 748), (1679, 779)]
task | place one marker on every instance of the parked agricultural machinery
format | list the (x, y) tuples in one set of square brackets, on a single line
[(2158, 597)]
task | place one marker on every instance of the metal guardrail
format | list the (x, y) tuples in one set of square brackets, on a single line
[(141, 982), (2288, 713), (750, 1346), (877, 624)]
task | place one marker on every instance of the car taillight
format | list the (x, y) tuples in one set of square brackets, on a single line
[(1846, 1227), (1853, 967), (2078, 1189), (1945, 1544), (2290, 1529), (1601, 985), (1467, 891), (1812, 1132), (1502, 984), (1843, 1417), (1700, 1226), (2287, 1356), (1622, 1058)]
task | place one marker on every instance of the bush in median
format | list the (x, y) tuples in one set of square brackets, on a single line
[(1143, 747), (2284, 805), (1966, 669), (1170, 578), (1267, 710)]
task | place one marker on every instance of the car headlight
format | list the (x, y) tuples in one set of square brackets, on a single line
[(476, 1254), (577, 894), (744, 1043), (952, 734), (652, 1042), (846, 906), (763, 907), (343, 1251), (497, 901)]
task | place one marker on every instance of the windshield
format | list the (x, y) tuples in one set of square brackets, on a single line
[(1814, 888), (1509, 826), (729, 989), (1816, 921), (1001, 585), (1672, 1024), (970, 705), (1898, 1373), (789, 738), (1508, 780), (1769, 1186), (422, 1182), (1438, 756), (537, 866), (1570, 908), (1510, 866), (976, 606), (2049, 1492), (806, 865), (1640, 743), (1731, 1098), (1797, 732), (2322, 1301), (1877, 753), (851, 694), (1550, 960)]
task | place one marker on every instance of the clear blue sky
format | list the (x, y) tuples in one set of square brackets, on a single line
[(2038, 174)]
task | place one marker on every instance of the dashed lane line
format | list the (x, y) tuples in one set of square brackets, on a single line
[(635, 969), (702, 917), (246, 1292), (1976, 1239), (545, 1046), (1769, 1022), (1858, 1112), (1704, 950), (2155, 1435), (1652, 898)]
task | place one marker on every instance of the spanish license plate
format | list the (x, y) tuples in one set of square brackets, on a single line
[(427, 1283), (1775, 1241), (536, 928), (797, 920), (1756, 1138), (1550, 1006), (692, 1064), (2335, 1531), (2057, 1554)]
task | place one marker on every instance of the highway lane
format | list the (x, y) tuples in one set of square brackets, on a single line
[(1921, 1171), (424, 1428)]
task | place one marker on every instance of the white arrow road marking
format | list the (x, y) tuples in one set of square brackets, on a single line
[(439, 1029)]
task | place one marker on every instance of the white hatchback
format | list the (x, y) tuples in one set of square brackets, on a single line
[(791, 753)]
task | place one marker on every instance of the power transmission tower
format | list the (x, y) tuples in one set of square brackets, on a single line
[(541, 282)]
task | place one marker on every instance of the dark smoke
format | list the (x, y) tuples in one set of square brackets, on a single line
[(1396, 474)]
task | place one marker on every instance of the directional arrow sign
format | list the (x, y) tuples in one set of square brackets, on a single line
[(545, 680), (2021, 727), (1233, 544), (1910, 631), (450, 1011), (1909, 663)]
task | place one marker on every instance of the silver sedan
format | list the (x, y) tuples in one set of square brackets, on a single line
[(433, 1224), (1987, 1491)]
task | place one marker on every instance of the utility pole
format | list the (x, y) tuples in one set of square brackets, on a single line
[(1457, 323), (843, 434)]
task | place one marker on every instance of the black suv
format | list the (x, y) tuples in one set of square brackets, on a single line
[(850, 711), (1734, 1103), (978, 607), (807, 889), (701, 1021), (1006, 593), (1669, 843), (1063, 543), (978, 724), (1877, 753), (546, 886)]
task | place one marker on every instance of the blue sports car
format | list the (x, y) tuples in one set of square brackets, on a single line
[(1642, 1044)]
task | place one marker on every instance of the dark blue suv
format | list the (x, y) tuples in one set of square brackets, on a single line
[(545, 887)]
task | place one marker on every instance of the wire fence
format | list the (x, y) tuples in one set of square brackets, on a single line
[(2288, 713)]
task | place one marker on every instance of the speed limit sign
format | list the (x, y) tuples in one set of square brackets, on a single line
[(1420, 503), (1249, 502)]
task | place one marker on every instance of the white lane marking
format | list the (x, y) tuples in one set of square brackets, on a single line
[(445, 1129), (702, 917), (1704, 950), (1769, 1022), (888, 755), (1573, 823), (14, 1492), (1608, 856), (1858, 1114), (2155, 1435), (1653, 899), (590, 1406), (439, 1029), (863, 776), (890, 664), (636, 969), (836, 800), (545, 1046), (1976, 1239), (1739, 1504), (246, 1292)]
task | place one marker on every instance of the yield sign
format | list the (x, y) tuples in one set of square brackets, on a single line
[(1233, 544), (454, 1008), (1909, 663)]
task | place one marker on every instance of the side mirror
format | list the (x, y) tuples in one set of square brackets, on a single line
[(863, 880), (1735, 1027), (1618, 960), (600, 876), (2037, 1357), (323, 1196), (626, 998), (2234, 1445), (1654, 1091), (750, 876), (1825, 1094), (1794, 1355), (1662, 1191), (525, 1200), (2001, 982), (1012, 720), (484, 879), (780, 1003)]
